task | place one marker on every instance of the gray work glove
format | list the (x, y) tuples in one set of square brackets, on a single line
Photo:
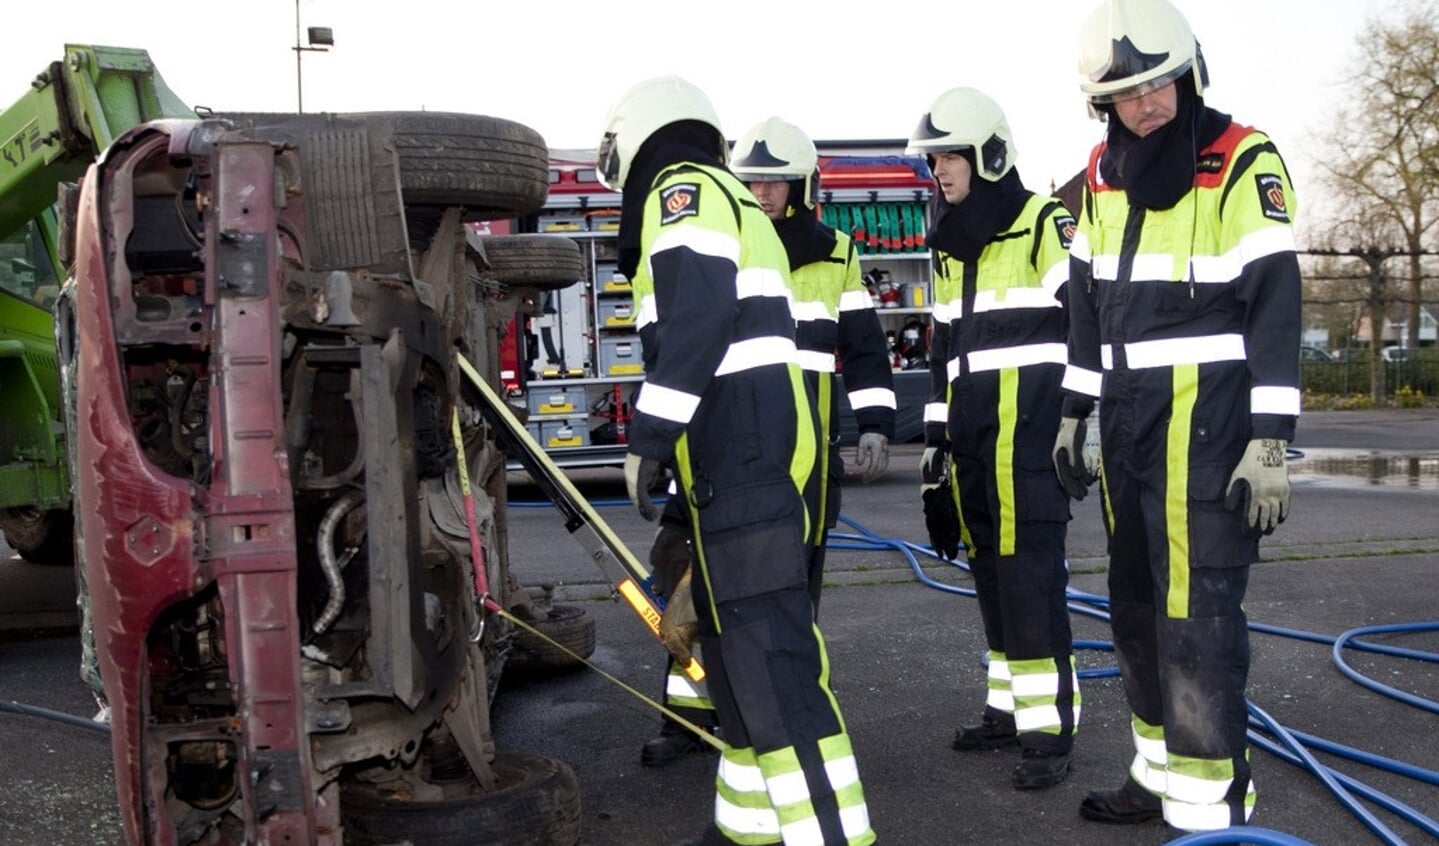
[(1077, 467), (679, 625), (669, 557), (1260, 485), (941, 512), (641, 476), (871, 458)]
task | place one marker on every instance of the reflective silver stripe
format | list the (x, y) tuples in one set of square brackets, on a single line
[(1256, 245), (707, 242), (817, 362), (1079, 247), (1200, 817), (745, 821), (854, 821), (871, 398), (678, 684), (999, 693), (1148, 267), (948, 312), (1014, 298), (1106, 356), (744, 779), (1035, 684), (787, 788), (810, 310), (1036, 717), (936, 412), (761, 282), (1200, 349), (1197, 791), (855, 301), (951, 369), (646, 313), (1147, 774), (756, 352), (1020, 356), (802, 831), (1082, 380), (1055, 277), (667, 403), (1273, 400)]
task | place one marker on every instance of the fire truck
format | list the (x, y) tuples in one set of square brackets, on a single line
[(577, 359)]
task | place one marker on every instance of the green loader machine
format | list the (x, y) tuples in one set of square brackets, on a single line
[(73, 110)]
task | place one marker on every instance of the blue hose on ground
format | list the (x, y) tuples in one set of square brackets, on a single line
[(1240, 834), (1294, 746), (56, 716)]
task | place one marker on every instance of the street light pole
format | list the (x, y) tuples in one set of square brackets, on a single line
[(299, 54), (321, 38)]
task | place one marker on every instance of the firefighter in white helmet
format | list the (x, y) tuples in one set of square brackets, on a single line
[(835, 319), (1185, 322), (835, 322), (996, 362), (724, 405)]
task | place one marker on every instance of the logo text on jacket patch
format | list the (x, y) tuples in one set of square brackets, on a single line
[(1210, 163), (679, 201), (1065, 226), (1271, 196)]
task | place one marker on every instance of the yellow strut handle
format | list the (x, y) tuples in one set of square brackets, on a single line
[(615, 560)]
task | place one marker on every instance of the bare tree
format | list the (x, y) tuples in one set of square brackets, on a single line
[(1383, 165)]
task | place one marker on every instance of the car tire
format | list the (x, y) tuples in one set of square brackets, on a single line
[(568, 626), (40, 537), (545, 262), (535, 803)]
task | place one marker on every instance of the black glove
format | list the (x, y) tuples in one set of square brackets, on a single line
[(941, 518), (941, 512), (641, 475), (1071, 462)]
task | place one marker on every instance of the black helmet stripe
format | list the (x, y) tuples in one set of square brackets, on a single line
[(1126, 60), (760, 156)]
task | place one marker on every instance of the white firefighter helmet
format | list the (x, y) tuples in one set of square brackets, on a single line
[(643, 110), (967, 119), (1128, 48), (777, 151)]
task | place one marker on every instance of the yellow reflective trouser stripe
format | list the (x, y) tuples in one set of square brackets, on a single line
[(761, 798), (801, 464), (1036, 694), (742, 804), (679, 690), (1196, 793), (1150, 756), (1176, 489), (1004, 456), (1001, 693)]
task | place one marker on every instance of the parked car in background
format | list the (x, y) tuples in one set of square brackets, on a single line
[(1307, 353), (1395, 354)]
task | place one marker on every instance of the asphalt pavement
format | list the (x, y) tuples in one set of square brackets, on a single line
[(1361, 548)]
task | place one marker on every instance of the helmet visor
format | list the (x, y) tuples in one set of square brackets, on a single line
[(1139, 89)]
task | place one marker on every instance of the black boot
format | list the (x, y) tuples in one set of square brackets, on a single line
[(1128, 805), (1039, 768), (672, 743), (991, 733)]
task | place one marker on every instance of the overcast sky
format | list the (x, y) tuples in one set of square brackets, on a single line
[(841, 70)]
